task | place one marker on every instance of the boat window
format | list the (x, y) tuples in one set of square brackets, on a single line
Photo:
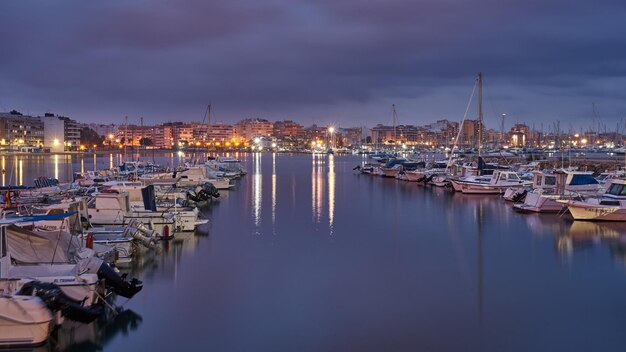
[(539, 179), (550, 181), (616, 189), (583, 180), (513, 177), (55, 211)]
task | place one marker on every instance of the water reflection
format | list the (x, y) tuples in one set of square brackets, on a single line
[(4, 168), (56, 166), (317, 186), (331, 192), (273, 188), (21, 172), (257, 188), (111, 161), (72, 336), (581, 236)]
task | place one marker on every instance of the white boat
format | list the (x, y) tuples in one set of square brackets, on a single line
[(198, 175), (457, 183), (114, 209), (186, 218), (23, 257), (497, 184), (229, 165), (25, 321), (414, 175), (549, 188), (611, 206)]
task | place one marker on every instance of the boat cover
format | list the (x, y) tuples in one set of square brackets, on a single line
[(28, 247)]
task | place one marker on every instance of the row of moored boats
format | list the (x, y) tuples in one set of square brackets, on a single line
[(62, 245), (583, 194)]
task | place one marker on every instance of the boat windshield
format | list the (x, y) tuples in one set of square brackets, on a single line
[(513, 177), (617, 189), (578, 180)]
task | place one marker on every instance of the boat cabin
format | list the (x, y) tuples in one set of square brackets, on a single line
[(503, 177), (617, 190), (111, 201)]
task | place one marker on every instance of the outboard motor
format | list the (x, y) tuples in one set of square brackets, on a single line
[(204, 193), (117, 283), (428, 179), (56, 300), (519, 196), (112, 280)]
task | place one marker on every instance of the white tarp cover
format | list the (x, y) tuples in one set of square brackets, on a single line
[(28, 247)]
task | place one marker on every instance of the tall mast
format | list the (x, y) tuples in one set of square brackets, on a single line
[(480, 111), (125, 137), (395, 122), (141, 138), (208, 122)]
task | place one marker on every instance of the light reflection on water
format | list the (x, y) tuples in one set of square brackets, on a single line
[(407, 268), (331, 192), (257, 189), (317, 186), (273, 189)]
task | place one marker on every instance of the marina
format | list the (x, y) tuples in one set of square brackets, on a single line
[(306, 251)]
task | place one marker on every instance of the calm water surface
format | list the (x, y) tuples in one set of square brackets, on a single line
[(305, 255)]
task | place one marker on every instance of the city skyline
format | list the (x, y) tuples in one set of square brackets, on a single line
[(330, 63)]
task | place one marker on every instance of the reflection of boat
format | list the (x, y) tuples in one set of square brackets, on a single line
[(24, 321), (583, 234), (87, 337)]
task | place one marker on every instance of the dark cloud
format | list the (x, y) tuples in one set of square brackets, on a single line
[(340, 61)]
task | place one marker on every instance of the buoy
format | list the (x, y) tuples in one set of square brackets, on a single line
[(89, 241), (166, 232)]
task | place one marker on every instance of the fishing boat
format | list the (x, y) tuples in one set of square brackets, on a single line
[(499, 182), (549, 188), (611, 206)]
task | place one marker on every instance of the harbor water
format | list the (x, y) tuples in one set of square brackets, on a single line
[(304, 254)]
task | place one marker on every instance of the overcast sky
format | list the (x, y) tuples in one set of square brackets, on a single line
[(338, 62)]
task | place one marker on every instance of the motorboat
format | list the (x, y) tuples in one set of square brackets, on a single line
[(28, 256), (230, 165), (549, 188), (611, 206), (143, 199), (498, 183), (112, 208), (25, 321), (198, 175)]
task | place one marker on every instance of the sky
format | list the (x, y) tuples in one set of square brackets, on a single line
[(330, 62)]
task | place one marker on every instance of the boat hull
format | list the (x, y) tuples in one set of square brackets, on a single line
[(24, 321), (537, 203), (593, 212)]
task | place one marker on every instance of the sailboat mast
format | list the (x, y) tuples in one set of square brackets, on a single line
[(125, 137), (480, 112), (395, 122)]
